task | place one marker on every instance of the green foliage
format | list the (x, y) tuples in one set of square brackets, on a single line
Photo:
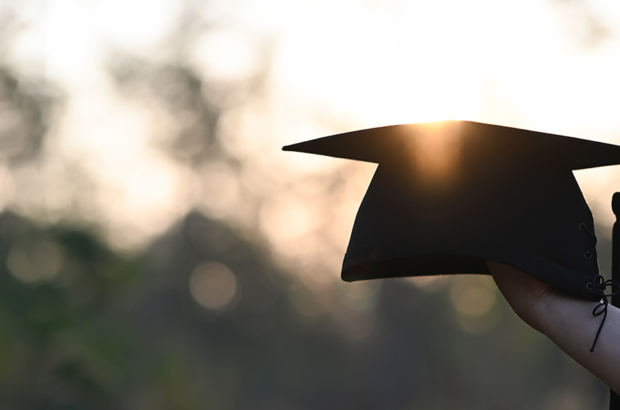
[(108, 332)]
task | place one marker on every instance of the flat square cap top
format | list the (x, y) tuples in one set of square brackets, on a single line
[(383, 143)]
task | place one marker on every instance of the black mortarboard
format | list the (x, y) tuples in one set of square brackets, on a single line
[(446, 196)]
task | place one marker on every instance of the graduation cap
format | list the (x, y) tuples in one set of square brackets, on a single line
[(449, 195)]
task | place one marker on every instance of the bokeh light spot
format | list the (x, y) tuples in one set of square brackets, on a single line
[(473, 298), (35, 261), (474, 302), (213, 285), (430, 284)]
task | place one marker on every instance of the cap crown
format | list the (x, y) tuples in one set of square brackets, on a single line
[(446, 196)]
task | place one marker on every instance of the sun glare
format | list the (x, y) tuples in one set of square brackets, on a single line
[(333, 67), (435, 147), (409, 70)]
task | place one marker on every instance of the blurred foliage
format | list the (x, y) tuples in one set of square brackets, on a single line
[(194, 102), (61, 346), (99, 331), (185, 96), (23, 118)]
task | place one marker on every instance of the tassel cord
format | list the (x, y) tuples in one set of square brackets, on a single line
[(601, 285)]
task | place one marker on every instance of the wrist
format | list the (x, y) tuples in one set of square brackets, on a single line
[(562, 311)]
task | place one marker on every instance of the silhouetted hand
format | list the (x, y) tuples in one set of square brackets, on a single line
[(528, 297), (567, 321)]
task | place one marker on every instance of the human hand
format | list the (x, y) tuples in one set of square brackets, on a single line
[(530, 298), (567, 321)]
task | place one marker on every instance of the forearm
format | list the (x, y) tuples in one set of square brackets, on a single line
[(569, 324)]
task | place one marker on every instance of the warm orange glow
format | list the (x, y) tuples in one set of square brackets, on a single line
[(436, 150)]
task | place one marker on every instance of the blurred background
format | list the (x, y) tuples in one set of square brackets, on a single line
[(161, 252)]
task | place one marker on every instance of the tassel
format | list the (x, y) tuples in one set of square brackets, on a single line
[(614, 402), (600, 286)]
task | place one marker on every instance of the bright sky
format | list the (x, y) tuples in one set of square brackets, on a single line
[(337, 66)]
